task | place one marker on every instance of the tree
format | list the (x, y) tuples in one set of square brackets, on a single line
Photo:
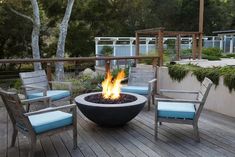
[(59, 68), (35, 32)]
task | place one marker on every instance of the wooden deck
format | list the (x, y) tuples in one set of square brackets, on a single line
[(135, 139)]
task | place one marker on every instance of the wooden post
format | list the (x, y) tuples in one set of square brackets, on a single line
[(194, 49), (201, 17), (200, 46), (154, 62), (160, 46), (107, 66), (137, 46), (177, 45), (49, 75)]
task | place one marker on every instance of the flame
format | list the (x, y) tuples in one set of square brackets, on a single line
[(112, 88)]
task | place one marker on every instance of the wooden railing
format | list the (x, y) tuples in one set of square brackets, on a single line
[(49, 61)]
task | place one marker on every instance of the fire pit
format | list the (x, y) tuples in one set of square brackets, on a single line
[(110, 107), (110, 112)]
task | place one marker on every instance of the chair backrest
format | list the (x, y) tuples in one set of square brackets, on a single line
[(140, 76), (15, 110), (202, 95), (35, 78)]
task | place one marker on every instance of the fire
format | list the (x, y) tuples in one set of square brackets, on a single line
[(112, 88)]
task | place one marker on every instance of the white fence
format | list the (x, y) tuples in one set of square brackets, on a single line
[(125, 46)]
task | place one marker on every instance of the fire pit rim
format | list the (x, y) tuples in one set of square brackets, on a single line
[(81, 100)]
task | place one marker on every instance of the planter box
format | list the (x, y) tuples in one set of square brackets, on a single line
[(219, 100)]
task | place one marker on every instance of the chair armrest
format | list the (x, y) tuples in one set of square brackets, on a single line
[(178, 91), (68, 84), (178, 100), (44, 98), (151, 85), (73, 106), (153, 80)]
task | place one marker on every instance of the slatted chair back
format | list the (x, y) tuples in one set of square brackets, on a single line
[(140, 76), (35, 78), (202, 95), (15, 110)]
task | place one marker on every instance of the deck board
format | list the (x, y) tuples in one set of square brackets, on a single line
[(217, 134)]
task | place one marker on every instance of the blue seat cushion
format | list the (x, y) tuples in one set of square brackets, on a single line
[(176, 110), (135, 89), (54, 94), (50, 120)]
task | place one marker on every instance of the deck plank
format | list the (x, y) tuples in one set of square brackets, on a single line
[(13, 151), (185, 136), (217, 134), (97, 135), (3, 132)]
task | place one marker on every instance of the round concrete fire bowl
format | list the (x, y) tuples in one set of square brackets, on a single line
[(110, 112)]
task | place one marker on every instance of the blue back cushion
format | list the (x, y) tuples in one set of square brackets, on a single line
[(50, 120), (54, 94), (135, 89), (176, 110)]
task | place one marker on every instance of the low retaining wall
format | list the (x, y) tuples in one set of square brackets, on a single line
[(219, 100)]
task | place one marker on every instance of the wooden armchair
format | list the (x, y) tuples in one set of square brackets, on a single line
[(142, 81), (39, 123), (182, 111), (35, 85)]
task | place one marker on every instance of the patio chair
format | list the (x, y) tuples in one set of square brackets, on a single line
[(141, 81), (182, 111), (35, 84), (37, 124)]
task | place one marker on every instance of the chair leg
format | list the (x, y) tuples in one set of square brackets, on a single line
[(28, 107), (14, 135), (32, 146), (196, 133), (75, 142), (156, 127), (149, 102), (153, 99)]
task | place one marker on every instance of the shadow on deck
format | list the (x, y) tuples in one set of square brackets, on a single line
[(134, 139)]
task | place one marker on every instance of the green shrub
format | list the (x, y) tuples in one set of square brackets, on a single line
[(177, 72), (117, 70), (229, 81), (212, 52), (230, 55), (212, 73), (211, 58), (82, 84), (107, 51)]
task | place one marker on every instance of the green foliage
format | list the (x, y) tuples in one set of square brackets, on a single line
[(117, 70), (107, 51), (186, 53), (229, 81), (93, 18), (17, 84), (212, 73), (211, 53), (230, 55), (178, 72), (211, 58), (84, 84)]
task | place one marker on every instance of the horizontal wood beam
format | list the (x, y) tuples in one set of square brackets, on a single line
[(81, 59)]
